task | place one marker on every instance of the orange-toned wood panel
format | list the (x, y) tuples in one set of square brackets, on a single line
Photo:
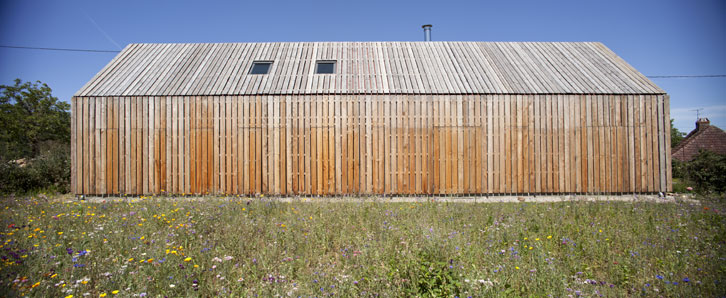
[(370, 144)]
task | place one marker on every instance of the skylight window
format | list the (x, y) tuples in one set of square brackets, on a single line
[(260, 67), (325, 67)]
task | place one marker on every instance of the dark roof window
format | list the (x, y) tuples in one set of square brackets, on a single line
[(260, 67), (325, 67)]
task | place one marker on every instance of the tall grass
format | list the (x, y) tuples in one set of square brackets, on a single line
[(246, 247)]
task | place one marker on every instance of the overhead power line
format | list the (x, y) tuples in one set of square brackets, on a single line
[(112, 51), (59, 49), (688, 76)]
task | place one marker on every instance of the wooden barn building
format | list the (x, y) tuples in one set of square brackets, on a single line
[(337, 118)]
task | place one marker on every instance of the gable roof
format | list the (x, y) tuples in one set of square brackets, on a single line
[(369, 67), (704, 137)]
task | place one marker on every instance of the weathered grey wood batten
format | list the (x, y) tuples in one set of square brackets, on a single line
[(369, 67)]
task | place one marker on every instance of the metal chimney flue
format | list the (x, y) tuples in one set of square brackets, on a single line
[(427, 32)]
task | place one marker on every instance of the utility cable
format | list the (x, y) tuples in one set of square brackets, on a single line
[(112, 51), (688, 76), (58, 49)]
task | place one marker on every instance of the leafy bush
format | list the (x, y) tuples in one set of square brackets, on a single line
[(13, 178), (51, 170), (708, 172), (678, 168)]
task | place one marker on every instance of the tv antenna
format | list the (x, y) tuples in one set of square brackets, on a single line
[(698, 113)]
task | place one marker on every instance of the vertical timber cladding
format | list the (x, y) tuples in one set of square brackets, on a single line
[(370, 144)]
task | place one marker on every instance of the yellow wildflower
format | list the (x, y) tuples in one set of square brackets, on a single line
[(188, 259)]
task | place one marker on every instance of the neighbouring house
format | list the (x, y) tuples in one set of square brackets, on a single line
[(338, 118), (704, 137)]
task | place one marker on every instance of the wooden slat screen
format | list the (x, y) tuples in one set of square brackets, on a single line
[(371, 144)]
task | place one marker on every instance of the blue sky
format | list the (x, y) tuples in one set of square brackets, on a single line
[(660, 37)]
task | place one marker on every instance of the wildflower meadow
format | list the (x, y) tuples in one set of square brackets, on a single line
[(233, 246)]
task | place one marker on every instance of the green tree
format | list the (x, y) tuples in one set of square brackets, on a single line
[(676, 136), (31, 119)]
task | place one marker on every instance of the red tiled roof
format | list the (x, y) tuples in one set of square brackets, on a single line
[(704, 137)]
